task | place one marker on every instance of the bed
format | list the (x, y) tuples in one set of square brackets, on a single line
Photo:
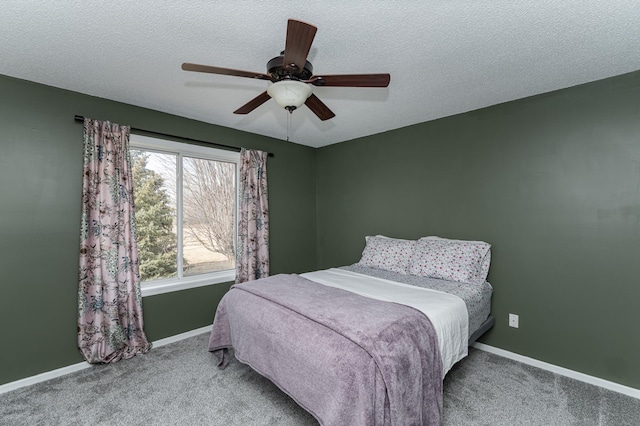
[(365, 344)]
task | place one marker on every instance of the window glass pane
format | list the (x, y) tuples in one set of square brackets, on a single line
[(154, 176), (208, 215)]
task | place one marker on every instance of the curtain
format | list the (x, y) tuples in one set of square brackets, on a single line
[(110, 325), (252, 260)]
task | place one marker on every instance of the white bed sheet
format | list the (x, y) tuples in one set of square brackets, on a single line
[(447, 312)]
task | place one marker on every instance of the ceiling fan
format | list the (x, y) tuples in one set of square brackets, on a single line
[(292, 75)]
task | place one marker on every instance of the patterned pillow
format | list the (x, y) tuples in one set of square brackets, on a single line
[(486, 262), (389, 254), (452, 260)]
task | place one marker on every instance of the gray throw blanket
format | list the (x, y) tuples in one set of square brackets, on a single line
[(345, 358)]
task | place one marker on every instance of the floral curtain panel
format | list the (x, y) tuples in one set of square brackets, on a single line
[(252, 260), (110, 325)]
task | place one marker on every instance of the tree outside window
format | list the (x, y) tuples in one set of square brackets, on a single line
[(185, 213)]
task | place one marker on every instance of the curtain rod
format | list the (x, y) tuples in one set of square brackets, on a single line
[(227, 147)]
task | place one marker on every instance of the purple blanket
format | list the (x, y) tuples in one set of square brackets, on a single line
[(345, 358)]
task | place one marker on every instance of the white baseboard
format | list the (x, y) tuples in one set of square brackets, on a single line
[(182, 336), (48, 375), (626, 390), (84, 365), (635, 393)]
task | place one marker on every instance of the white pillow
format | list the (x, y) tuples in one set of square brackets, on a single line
[(390, 254), (452, 260)]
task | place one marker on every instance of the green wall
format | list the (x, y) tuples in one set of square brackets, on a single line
[(552, 182), (40, 188)]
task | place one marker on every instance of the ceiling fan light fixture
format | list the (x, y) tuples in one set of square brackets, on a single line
[(290, 94)]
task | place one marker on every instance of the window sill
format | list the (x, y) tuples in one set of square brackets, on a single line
[(171, 285)]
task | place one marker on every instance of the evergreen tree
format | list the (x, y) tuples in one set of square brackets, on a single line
[(157, 249)]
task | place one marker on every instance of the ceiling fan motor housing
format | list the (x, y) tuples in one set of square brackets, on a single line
[(277, 69)]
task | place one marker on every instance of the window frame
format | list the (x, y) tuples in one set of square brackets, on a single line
[(182, 149)]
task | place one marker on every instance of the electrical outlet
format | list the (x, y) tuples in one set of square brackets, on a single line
[(514, 320)]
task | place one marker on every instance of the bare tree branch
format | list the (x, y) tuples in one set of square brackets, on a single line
[(209, 204)]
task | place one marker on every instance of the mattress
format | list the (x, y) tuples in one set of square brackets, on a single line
[(477, 298), (446, 312), (347, 359)]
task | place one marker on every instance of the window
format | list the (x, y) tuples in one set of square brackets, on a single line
[(185, 198)]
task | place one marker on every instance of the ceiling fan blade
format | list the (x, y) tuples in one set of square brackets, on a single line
[(351, 80), (253, 103), (299, 38), (319, 108), (224, 71)]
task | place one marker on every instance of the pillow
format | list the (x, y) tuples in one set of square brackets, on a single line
[(487, 259), (452, 260), (389, 254), (433, 237), (389, 238)]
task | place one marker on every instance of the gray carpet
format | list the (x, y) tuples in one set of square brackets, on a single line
[(178, 384)]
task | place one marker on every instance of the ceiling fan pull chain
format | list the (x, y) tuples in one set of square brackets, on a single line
[(288, 124)]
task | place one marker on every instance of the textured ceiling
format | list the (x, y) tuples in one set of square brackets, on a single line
[(444, 57)]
